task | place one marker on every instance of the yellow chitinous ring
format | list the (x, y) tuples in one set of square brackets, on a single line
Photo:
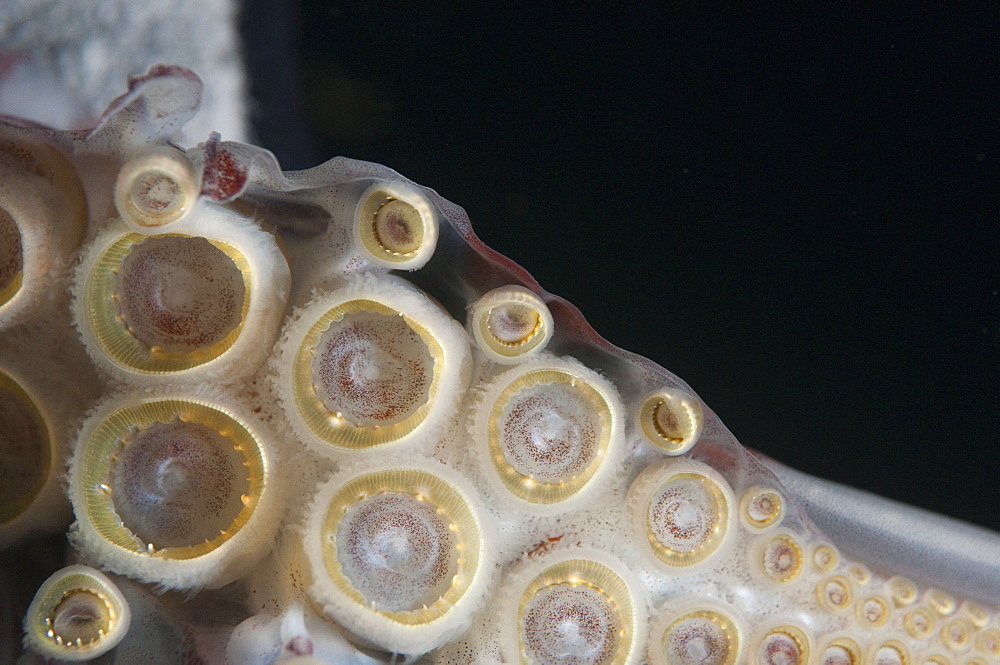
[(873, 612), (761, 508), (671, 419), (825, 558), (371, 364), (840, 651), (889, 652), (684, 512), (902, 591), (956, 633), (696, 633), (834, 594), (940, 601), (934, 659), (398, 553), (395, 226), (919, 622), (988, 641), (577, 605), (156, 189), (192, 306), (76, 615), (786, 644), (548, 434), (977, 614), (510, 324), (173, 490), (779, 557)]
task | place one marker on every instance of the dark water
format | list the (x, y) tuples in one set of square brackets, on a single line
[(794, 211)]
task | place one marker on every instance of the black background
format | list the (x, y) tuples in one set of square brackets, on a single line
[(793, 208)]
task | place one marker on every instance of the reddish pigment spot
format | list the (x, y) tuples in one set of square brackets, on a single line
[(300, 645), (397, 228), (157, 193), (223, 178), (546, 545)]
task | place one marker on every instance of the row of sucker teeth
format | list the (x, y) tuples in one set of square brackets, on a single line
[(373, 363), (547, 435), (383, 468), (201, 305), (399, 554), (77, 614), (174, 490)]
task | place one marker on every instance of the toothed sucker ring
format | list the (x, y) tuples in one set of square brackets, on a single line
[(310, 417)]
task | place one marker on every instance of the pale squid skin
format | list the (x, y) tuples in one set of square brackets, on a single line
[(267, 600)]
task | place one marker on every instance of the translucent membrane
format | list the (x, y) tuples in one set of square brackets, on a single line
[(840, 651), (783, 645), (576, 607), (155, 189), (25, 448), (698, 636), (671, 419), (781, 558), (510, 324), (395, 226), (891, 652), (397, 555), (683, 510), (548, 431), (76, 615), (161, 488), (370, 365), (761, 507), (834, 594), (168, 303), (11, 258)]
